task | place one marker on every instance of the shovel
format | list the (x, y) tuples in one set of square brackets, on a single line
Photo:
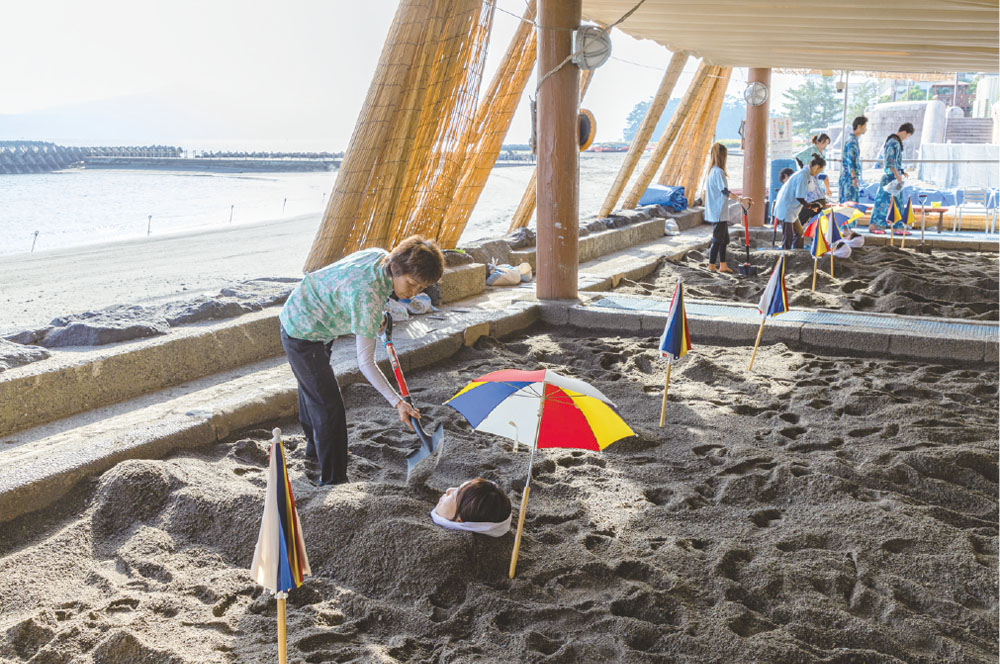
[(746, 269), (428, 443)]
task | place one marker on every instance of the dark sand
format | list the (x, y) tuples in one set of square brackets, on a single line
[(818, 510), (950, 284)]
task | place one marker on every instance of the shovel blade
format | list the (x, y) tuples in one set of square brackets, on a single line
[(747, 270), (428, 446)]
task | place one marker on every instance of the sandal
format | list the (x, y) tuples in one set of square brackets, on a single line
[(877, 231)]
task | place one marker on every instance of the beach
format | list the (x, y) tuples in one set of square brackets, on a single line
[(821, 509)]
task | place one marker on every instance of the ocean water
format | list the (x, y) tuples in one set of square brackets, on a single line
[(75, 208)]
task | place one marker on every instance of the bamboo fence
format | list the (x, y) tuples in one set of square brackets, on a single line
[(403, 164)]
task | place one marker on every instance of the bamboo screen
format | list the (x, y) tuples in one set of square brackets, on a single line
[(493, 118), (403, 163)]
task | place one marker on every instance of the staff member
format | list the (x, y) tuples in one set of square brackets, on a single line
[(893, 173), (716, 194), (850, 169), (791, 206)]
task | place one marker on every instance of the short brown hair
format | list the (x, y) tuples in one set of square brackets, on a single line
[(418, 258), (483, 501)]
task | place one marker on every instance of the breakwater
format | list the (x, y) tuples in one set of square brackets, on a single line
[(19, 157)]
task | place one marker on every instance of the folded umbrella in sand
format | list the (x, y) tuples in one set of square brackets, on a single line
[(676, 339), (773, 301), (556, 410), (279, 559), (820, 244)]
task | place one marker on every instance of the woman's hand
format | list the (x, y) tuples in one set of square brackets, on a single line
[(747, 201), (406, 411)]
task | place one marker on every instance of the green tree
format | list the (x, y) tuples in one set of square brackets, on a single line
[(812, 104), (863, 97), (634, 119)]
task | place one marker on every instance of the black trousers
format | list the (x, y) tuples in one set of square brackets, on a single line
[(321, 406), (720, 239)]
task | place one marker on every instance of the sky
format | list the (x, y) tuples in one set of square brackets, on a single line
[(264, 70)]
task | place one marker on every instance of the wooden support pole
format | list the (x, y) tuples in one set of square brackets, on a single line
[(641, 138), (667, 140), (526, 208), (755, 150), (671, 172), (815, 262), (558, 151)]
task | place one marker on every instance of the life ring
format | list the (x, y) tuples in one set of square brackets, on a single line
[(588, 129)]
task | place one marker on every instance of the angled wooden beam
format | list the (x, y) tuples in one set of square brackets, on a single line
[(641, 138), (666, 140)]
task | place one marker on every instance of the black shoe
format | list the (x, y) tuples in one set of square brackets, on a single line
[(335, 481)]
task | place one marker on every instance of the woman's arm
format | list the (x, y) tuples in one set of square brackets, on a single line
[(365, 349)]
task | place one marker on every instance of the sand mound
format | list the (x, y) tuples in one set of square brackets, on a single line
[(822, 509), (883, 279)]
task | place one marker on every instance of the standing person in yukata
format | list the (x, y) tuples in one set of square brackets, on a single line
[(892, 177), (716, 194), (850, 170), (348, 297)]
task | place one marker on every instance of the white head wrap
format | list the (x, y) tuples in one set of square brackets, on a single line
[(482, 527)]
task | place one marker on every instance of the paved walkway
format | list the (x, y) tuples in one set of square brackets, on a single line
[(951, 327)]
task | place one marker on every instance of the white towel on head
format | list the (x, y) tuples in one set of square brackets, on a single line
[(482, 527)]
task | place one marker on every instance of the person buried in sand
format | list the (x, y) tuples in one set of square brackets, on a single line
[(478, 506), (348, 297)]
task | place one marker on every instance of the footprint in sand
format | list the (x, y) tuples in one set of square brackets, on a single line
[(763, 518)]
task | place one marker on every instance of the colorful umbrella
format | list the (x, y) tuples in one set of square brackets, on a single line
[(676, 339), (557, 410), (279, 559)]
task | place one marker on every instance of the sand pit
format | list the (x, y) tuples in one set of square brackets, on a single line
[(819, 510), (950, 284)]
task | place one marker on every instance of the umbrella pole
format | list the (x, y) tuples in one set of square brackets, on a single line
[(527, 490), (282, 641), (923, 216), (757, 343), (666, 386), (892, 234), (815, 261), (831, 263)]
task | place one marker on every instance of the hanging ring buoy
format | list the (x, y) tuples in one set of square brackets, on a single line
[(588, 128)]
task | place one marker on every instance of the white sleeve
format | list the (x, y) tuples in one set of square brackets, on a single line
[(366, 362)]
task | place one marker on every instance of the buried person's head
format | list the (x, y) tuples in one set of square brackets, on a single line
[(477, 501), (414, 265)]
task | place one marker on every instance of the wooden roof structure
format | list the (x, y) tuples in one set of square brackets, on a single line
[(930, 36)]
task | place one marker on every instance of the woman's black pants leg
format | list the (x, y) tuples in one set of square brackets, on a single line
[(720, 239), (321, 406)]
